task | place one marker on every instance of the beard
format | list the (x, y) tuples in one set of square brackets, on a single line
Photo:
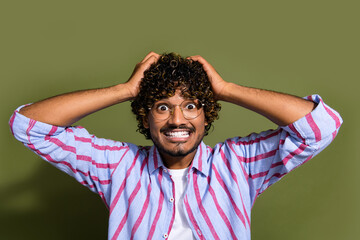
[(178, 151)]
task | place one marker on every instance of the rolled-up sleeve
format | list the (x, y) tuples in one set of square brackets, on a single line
[(266, 157)]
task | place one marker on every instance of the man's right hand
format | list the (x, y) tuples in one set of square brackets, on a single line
[(133, 84)]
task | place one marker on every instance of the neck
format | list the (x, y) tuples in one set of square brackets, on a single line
[(177, 162)]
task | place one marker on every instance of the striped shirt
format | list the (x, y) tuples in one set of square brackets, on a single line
[(222, 182)]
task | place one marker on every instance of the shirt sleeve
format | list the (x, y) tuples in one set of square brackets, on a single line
[(266, 157), (90, 160)]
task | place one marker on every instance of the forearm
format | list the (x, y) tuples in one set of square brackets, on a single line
[(66, 109), (280, 108)]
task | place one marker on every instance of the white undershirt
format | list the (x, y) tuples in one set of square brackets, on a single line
[(180, 229)]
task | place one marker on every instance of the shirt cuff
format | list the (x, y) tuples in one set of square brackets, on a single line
[(321, 123)]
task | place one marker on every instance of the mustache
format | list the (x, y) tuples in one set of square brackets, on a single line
[(181, 127)]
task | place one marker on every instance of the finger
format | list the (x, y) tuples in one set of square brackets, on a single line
[(149, 55), (206, 65), (150, 60)]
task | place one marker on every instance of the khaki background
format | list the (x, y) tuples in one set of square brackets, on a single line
[(300, 47)]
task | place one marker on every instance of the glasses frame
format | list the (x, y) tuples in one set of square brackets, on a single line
[(172, 109)]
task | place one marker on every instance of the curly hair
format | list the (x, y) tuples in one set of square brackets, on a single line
[(163, 78)]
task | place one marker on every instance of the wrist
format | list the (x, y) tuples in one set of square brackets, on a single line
[(224, 92), (123, 92)]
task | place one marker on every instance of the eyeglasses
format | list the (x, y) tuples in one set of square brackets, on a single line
[(162, 110)]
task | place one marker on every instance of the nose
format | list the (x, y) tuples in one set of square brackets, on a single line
[(177, 117)]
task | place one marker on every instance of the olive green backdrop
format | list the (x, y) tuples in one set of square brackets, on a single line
[(300, 47)]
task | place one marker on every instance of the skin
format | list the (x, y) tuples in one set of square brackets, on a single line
[(178, 151), (66, 109)]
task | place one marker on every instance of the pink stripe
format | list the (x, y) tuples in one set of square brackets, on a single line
[(233, 175), (192, 219), (58, 142), (280, 175), (291, 126), (262, 174), (237, 210), (130, 200), (155, 159), (11, 123), (334, 134), (256, 140), (299, 150), (257, 175), (276, 164), (158, 211), (333, 115), (239, 158), (31, 125), (254, 158), (99, 147), (260, 156), (124, 219), (256, 195), (52, 131), (221, 212), (277, 175), (122, 186), (202, 209), (117, 164), (50, 159), (82, 139), (62, 145), (173, 212), (314, 127), (142, 213), (200, 159), (109, 148), (93, 162), (102, 195)]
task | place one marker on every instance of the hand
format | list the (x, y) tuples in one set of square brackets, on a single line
[(217, 83), (133, 83)]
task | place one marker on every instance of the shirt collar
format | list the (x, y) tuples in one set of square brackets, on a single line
[(200, 161)]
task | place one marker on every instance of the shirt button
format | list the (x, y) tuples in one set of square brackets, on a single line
[(171, 199), (199, 232), (165, 170), (165, 235)]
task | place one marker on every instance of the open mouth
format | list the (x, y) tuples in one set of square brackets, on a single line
[(177, 134)]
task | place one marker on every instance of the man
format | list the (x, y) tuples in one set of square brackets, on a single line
[(179, 188)]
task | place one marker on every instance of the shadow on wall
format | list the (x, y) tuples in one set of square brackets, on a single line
[(60, 208)]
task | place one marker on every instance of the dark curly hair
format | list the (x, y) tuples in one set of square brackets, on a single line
[(161, 80)]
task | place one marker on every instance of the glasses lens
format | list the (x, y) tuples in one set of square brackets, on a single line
[(190, 108), (161, 111)]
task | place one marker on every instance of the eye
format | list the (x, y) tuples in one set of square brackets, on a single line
[(162, 108), (190, 106)]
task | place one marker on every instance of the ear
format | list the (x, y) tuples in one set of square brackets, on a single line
[(145, 122)]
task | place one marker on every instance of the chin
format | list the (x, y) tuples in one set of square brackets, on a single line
[(179, 150), (176, 152)]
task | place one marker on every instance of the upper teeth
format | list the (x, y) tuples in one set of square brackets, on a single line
[(178, 134)]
